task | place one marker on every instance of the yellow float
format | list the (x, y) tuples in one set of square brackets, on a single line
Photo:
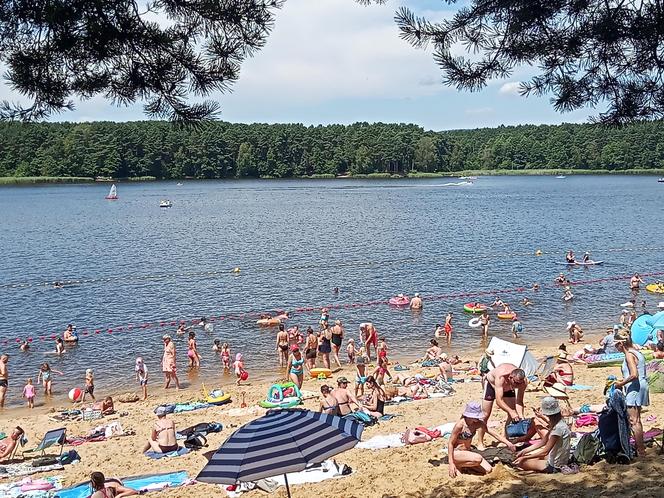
[(321, 372), (657, 288)]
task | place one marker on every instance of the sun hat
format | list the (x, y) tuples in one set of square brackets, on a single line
[(160, 411), (417, 294), (550, 406), (238, 357), (342, 380), (570, 324), (473, 410), (557, 390)]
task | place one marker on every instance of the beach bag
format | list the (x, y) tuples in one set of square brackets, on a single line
[(363, 418), (195, 442), (518, 429), (614, 430), (415, 436), (203, 428), (69, 457), (588, 449)]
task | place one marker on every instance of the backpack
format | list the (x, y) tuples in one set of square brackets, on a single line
[(588, 448), (195, 441), (614, 429), (363, 418)]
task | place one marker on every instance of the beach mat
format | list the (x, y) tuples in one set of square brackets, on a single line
[(145, 483), (171, 454)]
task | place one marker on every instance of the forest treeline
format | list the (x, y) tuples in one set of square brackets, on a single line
[(227, 150)]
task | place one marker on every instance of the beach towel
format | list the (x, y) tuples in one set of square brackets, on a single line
[(579, 387), (25, 469), (145, 483), (23, 488), (171, 454), (398, 399), (381, 442), (329, 469)]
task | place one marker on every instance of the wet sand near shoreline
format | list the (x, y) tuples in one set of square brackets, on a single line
[(413, 471)]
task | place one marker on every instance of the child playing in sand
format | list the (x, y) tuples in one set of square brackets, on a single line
[(142, 376), (360, 376), (226, 357), (29, 393), (350, 351), (89, 385), (238, 366)]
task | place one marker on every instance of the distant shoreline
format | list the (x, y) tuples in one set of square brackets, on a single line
[(38, 180)]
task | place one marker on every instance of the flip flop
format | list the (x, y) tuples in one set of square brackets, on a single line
[(651, 418)]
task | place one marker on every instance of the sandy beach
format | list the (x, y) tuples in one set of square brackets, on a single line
[(413, 471)]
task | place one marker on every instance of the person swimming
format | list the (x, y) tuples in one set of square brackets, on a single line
[(569, 257)]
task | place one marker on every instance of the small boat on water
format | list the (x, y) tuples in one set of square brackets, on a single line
[(467, 178), (165, 203), (113, 194), (179, 185), (660, 180), (560, 177)]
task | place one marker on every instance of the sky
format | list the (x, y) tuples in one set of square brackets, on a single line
[(335, 61)]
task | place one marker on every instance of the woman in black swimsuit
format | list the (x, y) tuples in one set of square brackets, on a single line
[(337, 338), (376, 405), (325, 346), (310, 349), (282, 345)]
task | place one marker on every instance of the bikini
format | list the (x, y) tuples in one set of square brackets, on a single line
[(296, 367), (466, 434)]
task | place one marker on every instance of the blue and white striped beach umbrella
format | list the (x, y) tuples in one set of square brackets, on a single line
[(280, 442)]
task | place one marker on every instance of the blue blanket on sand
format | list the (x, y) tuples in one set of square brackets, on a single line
[(157, 456), (139, 483)]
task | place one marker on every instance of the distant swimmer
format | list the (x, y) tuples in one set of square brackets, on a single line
[(25, 346), (586, 257), (58, 285), (497, 302), (567, 295), (416, 302), (562, 279), (569, 257), (335, 290), (526, 302), (59, 346), (635, 281)]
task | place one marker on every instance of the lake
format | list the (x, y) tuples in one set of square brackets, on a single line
[(294, 242)]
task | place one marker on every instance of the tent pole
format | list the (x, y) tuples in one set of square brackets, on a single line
[(287, 488)]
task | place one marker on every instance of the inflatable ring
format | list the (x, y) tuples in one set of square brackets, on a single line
[(316, 373), (506, 316), (474, 307), (399, 301), (268, 322), (474, 322), (657, 288)]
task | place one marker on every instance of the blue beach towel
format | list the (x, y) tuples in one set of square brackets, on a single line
[(139, 483), (579, 387), (158, 456)]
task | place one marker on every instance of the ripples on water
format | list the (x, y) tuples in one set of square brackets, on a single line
[(297, 240)]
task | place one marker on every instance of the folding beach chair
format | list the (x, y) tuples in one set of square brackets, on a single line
[(55, 437), (543, 371)]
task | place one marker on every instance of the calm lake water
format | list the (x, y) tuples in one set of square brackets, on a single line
[(294, 241)]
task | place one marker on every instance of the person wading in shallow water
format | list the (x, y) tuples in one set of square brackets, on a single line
[(168, 363)]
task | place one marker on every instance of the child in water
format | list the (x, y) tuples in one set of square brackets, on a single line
[(226, 357), (29, 393), (89, 385), (350, 351), (142, 376), (25, 346), (238, 366), (216, 346)]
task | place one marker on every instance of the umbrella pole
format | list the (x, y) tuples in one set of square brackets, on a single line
[(287, 488)]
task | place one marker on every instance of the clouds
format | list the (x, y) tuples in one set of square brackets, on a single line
[(510, 88)]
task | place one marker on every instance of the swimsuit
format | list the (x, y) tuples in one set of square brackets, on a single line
[(490, 393), (336, 340), (466, 434), (46, 375), (283, 347), (296, 367), (331, 410), (360, 379), (380, 406), (325, 346)]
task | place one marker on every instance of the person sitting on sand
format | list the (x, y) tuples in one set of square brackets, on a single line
[(7, 446), (562, 371), (575, 332), (608, 343), (344, 397), (445, 367), (434, 352), (328, 404), (582, 354), (162, 439), (506, 385), (658, 354), (459, 453), (108, 488), (106, 406), (376, 404), (552, 452)]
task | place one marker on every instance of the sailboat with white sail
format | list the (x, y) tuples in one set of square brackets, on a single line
[(113, 194)]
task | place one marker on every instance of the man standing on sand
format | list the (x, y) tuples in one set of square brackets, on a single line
[(168, 363), (506, 385), (416, 302), (4, 379), (344, 397)]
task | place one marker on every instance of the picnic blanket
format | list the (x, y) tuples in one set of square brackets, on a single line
[(158, 456), (25, 469), (20, 489), (394, 440)]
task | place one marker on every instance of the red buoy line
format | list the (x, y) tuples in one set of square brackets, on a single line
[(308, 309), (303, 267)]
